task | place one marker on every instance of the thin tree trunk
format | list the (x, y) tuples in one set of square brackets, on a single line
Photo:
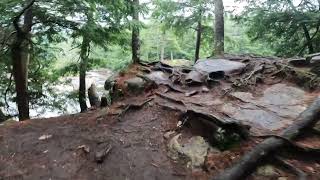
[(135, 32), (2, 116), (305, 29), (162, 46), (219, 28), (198, 41), (162, 52), (171, 56), (20, 54), (308, 38), (83, 69)]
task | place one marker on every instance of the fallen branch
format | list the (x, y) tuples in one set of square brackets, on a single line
[(269, 147), (133, 106)]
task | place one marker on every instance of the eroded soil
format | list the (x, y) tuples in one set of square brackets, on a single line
[(135, 142)]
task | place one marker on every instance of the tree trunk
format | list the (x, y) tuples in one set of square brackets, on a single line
[(163, 44), (135, 32), (2, 116), (265, 150), (20, 54), (198, 41), (219, 28), (83, 69), (162, 52), (305, 29), (308, 38)]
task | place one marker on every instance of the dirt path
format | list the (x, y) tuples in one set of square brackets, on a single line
[(138, 148)]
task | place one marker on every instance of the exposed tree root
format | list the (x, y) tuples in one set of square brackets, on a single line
[(211, 120), (287, 166), (268, 147), (133, 106)]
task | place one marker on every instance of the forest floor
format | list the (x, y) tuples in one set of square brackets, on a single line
[(134, 137)]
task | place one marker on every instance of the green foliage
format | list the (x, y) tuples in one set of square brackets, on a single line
[(280, 23)]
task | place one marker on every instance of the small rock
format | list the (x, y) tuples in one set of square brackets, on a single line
[(45, 137), (205, 89), (168, 134), (282, 178), (85, 148), (194, 151), (267, 170), (191, 93)]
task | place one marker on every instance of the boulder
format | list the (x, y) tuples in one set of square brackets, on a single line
[(300, 62), (159, 77), (194, 151), (109, 84), (135, 85), (315, 60), (209, 66), (94, 96)]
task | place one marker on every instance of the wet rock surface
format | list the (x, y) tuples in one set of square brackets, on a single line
[(277, 107), (216, 65)]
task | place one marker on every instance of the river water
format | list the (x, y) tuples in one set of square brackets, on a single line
[(63, 103)]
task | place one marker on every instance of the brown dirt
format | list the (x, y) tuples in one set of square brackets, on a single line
[(69, 144), (138, 151)]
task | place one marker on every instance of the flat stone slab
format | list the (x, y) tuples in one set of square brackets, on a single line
[(277, 108), (216, 65)]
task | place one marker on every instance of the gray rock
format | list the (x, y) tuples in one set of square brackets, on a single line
[(194, 151), (159, 77), (299, 62), (282, 178), (219, 65), (279, 105), (109, 84), (135, 85), (315, 60), (168, 134), (267, 170), (195, 77)]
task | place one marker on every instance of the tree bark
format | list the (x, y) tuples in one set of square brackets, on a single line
[(163, 44), (262, 152), (305, 29), (20, 55), (2, 116), (219, 28), (308, 38), (135, 32), (198, 41), (82, 77)]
